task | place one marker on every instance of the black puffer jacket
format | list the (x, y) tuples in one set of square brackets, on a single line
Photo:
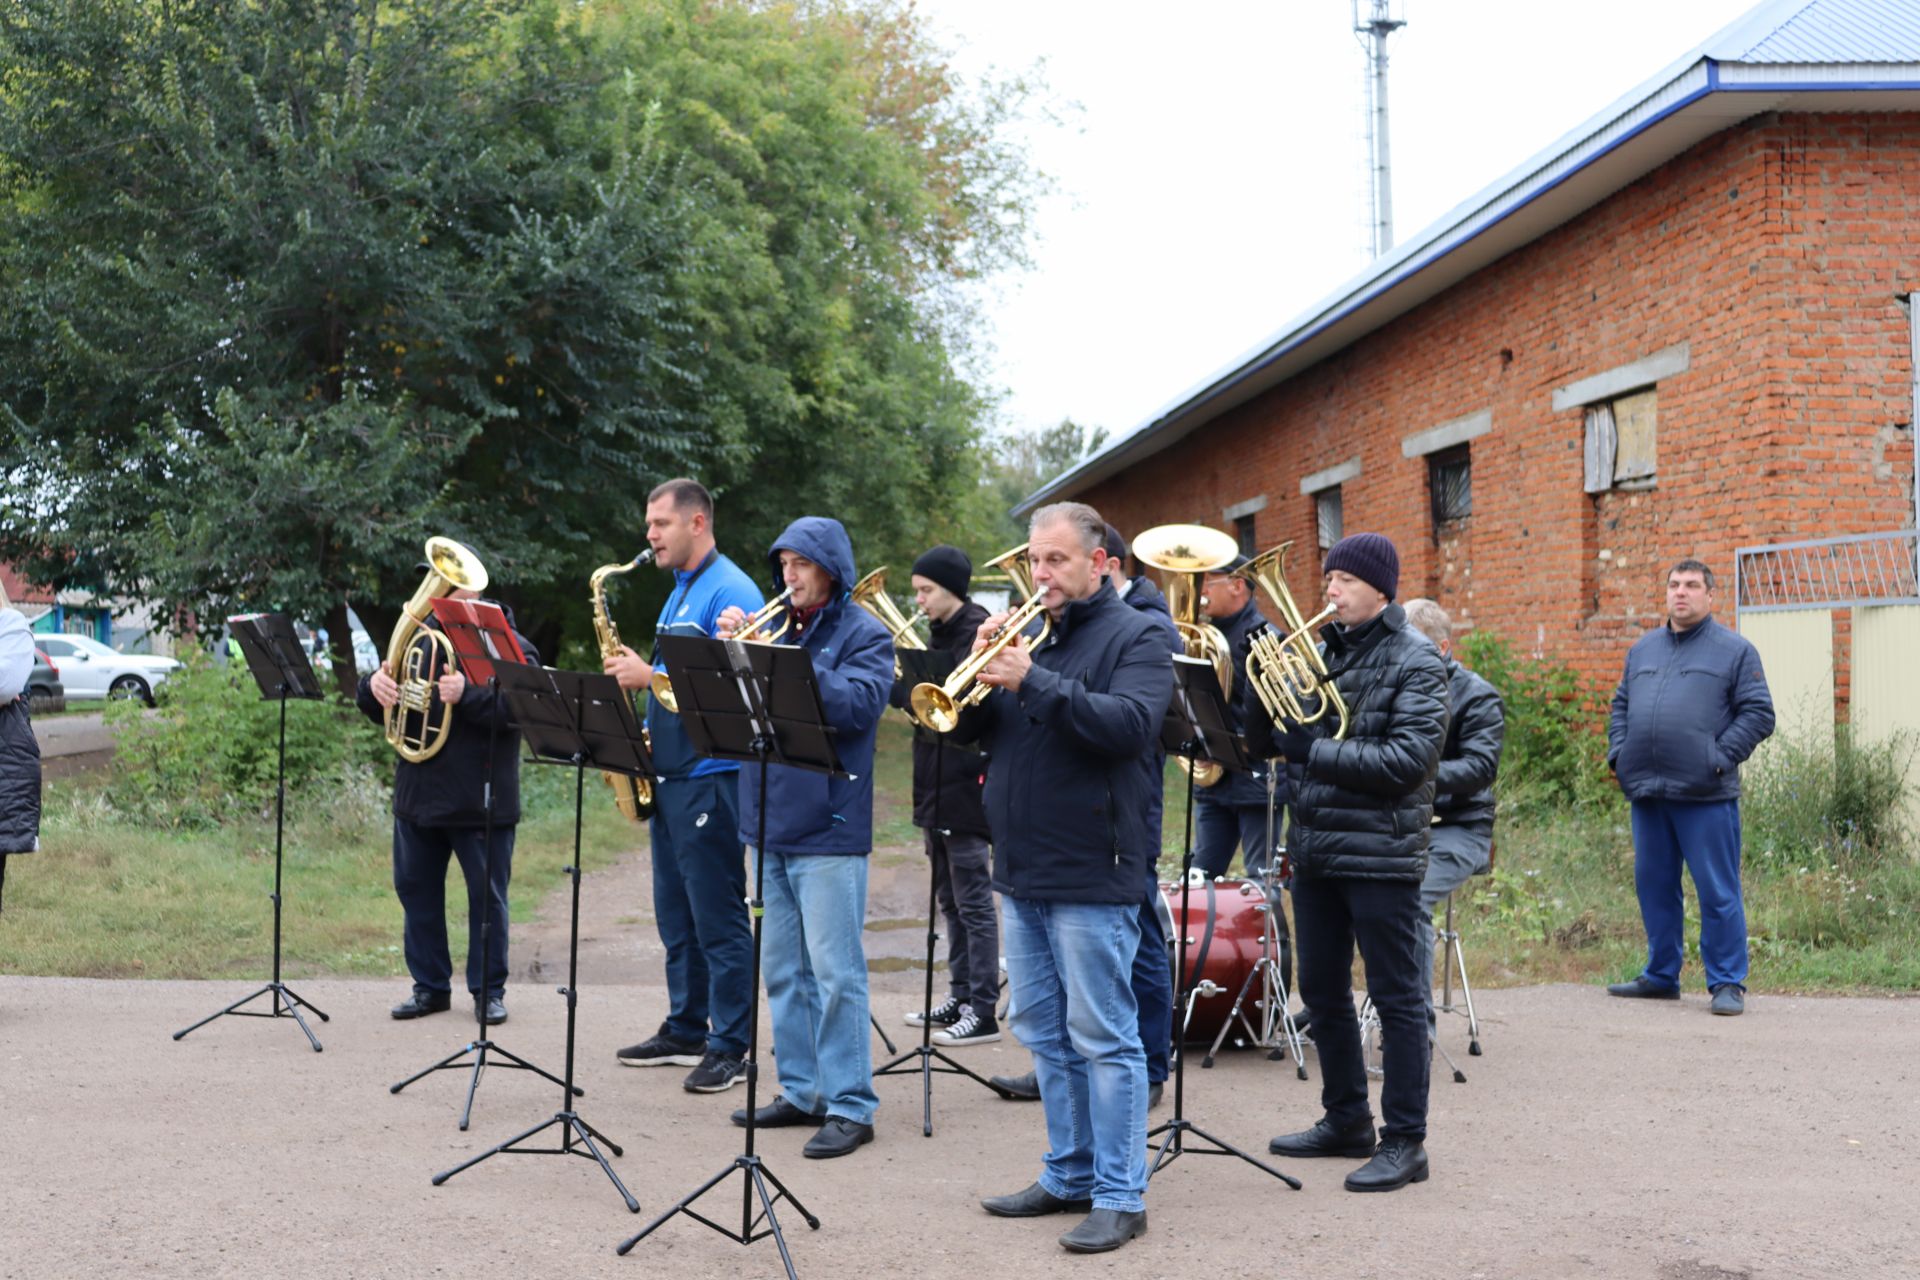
[(1362, 805), (19, 783), (962, 770), (1477, 730)]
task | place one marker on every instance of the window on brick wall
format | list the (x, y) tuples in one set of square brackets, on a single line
[(1244, 535), (1450, 484), (1327, 516), (1622, 435)]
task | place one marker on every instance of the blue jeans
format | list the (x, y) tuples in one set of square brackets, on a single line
[(816, 976), (1068, 965), (1706, 837), (700, 908), (420, 857)]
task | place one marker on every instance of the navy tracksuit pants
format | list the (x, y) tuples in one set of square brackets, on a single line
[(1705, 837), (420, 856)]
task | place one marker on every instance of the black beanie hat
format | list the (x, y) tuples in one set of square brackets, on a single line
[(1369, 557), (1116, 545), (947, 566)]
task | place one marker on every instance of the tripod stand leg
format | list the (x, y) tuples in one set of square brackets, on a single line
[(294, 1012), (1233, 1014), (587, 1134), (883, 1035), (444, 1063), (246, 999), (439, 1179)]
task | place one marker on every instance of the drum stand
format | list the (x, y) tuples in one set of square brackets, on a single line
[(1278, 1032)]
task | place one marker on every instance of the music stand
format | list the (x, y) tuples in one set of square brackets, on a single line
[(580, 719), (280, 667), (480, 635), (755, 703), (920, 666), (1196, 726)]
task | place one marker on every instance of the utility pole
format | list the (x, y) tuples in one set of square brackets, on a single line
[(1374, 21)]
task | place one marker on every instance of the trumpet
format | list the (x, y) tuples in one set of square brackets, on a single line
[(633, 796), (1289, 673), (1186, 553), (870, 593), (409, 724), (763, 618), (938, 706)]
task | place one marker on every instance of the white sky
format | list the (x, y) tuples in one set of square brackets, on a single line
[(1215, 185)]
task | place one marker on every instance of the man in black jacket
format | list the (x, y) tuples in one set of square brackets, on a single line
[(1362, 806), (952, 817), (1233, 813), (1073, 797), (440, 812), (19, 749), (1462, 837)]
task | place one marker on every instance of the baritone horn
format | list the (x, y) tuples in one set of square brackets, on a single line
[(938, 706), (1186, 553), (632, 796), (870, 593), (411, 729), (1289, 673)]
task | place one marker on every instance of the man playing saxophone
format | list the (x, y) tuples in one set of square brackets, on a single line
[(699, 875), (440, 812)]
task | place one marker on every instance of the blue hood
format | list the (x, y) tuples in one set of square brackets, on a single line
[(821, 539)]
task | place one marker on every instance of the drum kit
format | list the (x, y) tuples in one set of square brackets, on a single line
[(1238, 964)]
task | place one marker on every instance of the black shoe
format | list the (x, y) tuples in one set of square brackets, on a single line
[(1398, 1162), (1024, 1088), (717, 1073), (1352, 1143), (778, 1114), (1036, 1201), (1154, 1090), (837, 1137), (1641, 989), (422, 1003), (1104, 1231), (971, 1027), (1729, 1001), (661, 1051), (496, 1011), (944, 1014)]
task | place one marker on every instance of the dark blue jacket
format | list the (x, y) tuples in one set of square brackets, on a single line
[(853, 664), (1243, 789), (1073, 776), (1145, 597), (1690, 708)]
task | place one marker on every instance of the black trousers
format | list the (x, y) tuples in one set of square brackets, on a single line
[(420, 857), (1330, 916)]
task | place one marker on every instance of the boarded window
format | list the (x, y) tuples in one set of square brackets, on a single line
[(1450, 484), (1621, 441), (1244, 535), (1601, 446), (1327, 516)]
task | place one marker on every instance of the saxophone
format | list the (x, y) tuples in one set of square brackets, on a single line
[(633, 796)]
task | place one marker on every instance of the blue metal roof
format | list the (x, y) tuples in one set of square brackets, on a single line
[(1784, 55)]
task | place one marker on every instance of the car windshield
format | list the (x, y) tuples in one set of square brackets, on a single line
[(92, 646)]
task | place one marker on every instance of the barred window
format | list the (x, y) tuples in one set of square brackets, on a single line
[(1244, 535), (1450, 484), (1327, 514)]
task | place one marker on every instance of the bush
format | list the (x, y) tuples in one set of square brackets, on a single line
[(208, 751), (1840, 804), (1556, 744)]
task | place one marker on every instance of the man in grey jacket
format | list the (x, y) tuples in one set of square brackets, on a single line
[(1692, 704)]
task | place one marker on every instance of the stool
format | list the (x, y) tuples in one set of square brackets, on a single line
[(1452, 959)]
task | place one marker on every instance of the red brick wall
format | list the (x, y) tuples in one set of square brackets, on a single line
[(1775, 249)]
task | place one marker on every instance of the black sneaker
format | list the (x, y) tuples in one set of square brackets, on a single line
[(717, 1073), (944, 1014), (661, 1051), (971, 1027)]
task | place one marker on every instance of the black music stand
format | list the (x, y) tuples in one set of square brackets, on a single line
[(480, 635), (280, 667), (756, 703), (1196, 726), (920, 666), (580, 719)]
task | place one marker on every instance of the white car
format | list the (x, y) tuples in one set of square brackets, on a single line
[(90, 669)]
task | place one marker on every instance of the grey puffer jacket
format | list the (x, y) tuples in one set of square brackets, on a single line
[(1690, 708), (1362, 804), (1476, 733)]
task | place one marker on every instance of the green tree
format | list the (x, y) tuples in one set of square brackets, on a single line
[(1022, 463)]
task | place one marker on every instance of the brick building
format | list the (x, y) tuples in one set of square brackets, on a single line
[(1685, 329)]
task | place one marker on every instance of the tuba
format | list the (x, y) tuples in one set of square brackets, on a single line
[(938, 706), (410, 725), (870, 593), (1186, 553), (633, 796), (1290, 673)]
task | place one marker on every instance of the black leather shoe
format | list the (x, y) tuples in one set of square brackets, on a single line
[(1024, 1088), (837, 1137), (1154, 1090), (778, 1114), (1398, 1162), (1641, 989), (1035, 1202), (1324, 1139), (1104, 1231), (422, 1003), (496, 1010)]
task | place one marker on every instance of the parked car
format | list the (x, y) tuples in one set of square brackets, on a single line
[(90, 669), (44, 690)]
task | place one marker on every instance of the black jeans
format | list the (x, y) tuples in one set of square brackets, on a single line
[(1383, 916), (420, 857), (963, 884)]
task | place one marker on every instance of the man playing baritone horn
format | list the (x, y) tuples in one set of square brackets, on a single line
[(1073, 796), (819, 831)]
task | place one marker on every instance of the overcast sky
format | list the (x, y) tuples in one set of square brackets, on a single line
[(1215, 184)]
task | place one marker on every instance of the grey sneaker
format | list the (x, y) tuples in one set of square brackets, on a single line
[(717, 1073), (1729, 1001)]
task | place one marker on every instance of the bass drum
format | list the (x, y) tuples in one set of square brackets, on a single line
[(1223, 926)]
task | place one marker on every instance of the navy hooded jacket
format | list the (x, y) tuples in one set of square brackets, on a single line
[(852, 655)]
